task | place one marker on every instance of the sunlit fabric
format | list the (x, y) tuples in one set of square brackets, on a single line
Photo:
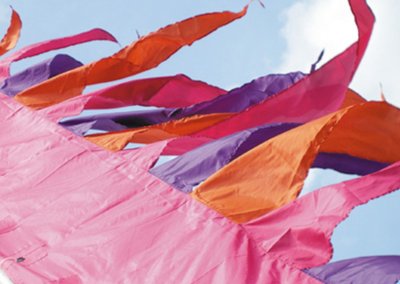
[(170, 92), (117, 140), (77, 213), (226, 209), (373, 269), (10, 39), (38, 73), (192, 168), (50, 45), (234, 101), (245, 196), (145, 53), (87, 234)]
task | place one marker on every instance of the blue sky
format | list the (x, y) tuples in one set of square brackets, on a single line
[(286, 36)]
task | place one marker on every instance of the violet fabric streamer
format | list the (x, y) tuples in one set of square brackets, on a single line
[(347, 164), (234, 101), (193, 167), (371, 269), (38, 73)]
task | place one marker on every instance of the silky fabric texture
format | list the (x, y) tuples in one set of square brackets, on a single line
[(234, 101), (71, 212), (65, 231), (117, 140), (86, 236), (38, 73), (317, 94), (180, 145), (144, 54), (299, 233), (241, 193), (300, 103), (155, 92), (50, 45), (188, 170), (372, 269), (10, 39)]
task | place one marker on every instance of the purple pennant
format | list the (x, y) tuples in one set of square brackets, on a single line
[(362, 270), (347, 164), (38, 73), (236, 100), (193, 167)]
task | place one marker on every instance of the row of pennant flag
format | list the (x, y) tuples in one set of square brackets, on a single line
[(78, 206)]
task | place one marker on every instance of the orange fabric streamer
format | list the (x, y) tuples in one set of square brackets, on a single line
[(146, 53), (272, 174), (10, 39), (352, 98), (117, 140)]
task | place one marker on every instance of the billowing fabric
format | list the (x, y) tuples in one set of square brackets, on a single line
[(317, 94), (73, 212), (78, 214), (143, 54), (180, 145), (347, 164), (10, 39), (45, 46), (188, 170), (117, 140), (372, 269), (244, 195), (38, 73), (172, 91), (86, 236), (299, 233), (145, 157), (191, 168), (300, 103), (234, 101)]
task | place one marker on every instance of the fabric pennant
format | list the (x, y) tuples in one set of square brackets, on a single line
[(10, 39), (38, 73), (369, 269), (284, 160), (234, 101), (145, 53), (171, 92), (50, 45)]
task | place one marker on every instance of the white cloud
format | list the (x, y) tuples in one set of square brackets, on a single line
[(312, 25)]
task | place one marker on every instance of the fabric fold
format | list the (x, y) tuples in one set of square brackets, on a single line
[(50, 45), (303, 240), (272, 174), (38, 73), (170, 92), (369, 269), (178, 145), (10, 39), (234, 101), (143, 54), (190, 169)]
